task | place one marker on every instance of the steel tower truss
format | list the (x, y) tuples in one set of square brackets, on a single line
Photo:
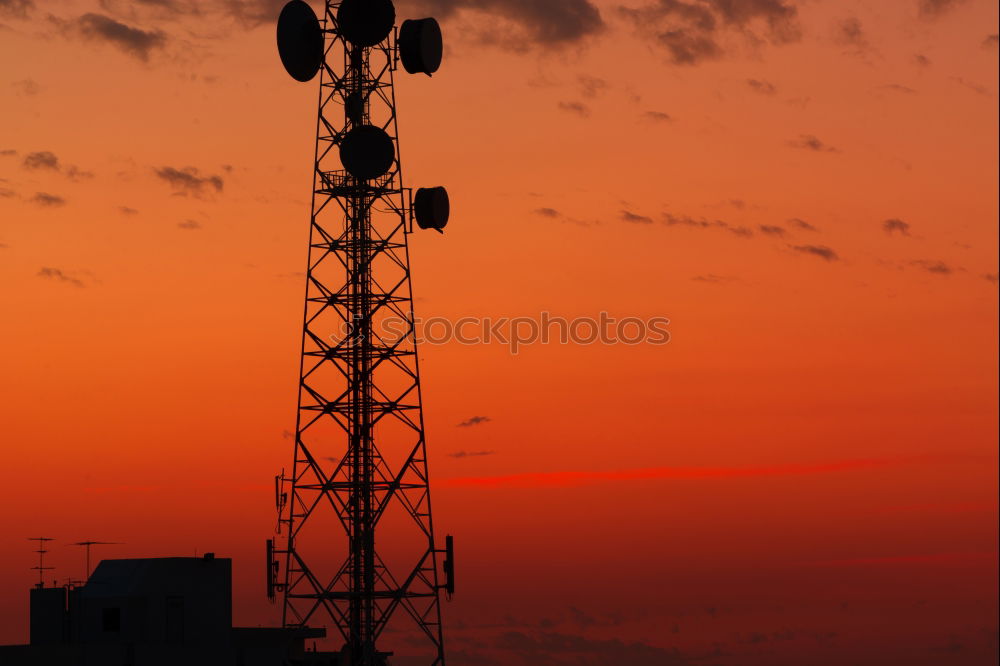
[(360, 467)]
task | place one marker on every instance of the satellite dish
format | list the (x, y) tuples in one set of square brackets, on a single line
[(365, 22), (432, 208), (367, 152), (300, 41), (420, 46)]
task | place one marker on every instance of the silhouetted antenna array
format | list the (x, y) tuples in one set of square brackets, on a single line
[(360, 464), (86, 545), (41, 568)]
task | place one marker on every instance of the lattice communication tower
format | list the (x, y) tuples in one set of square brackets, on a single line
[(360, 466)]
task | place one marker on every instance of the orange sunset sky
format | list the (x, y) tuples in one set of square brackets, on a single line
[(807, 189)]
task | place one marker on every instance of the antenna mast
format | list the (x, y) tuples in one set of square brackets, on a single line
[(360, 465), (41, 568)]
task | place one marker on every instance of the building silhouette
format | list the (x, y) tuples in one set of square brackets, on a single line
[(162, 611)]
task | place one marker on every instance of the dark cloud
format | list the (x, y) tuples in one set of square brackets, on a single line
[(657, 116), (991, 41), (474, 421), (557, 649), (578, 108), (125, 210), (896, 226), (471, 454), (45, 159), (190, 225), (762, 87), (7, 152), (811, 142), (249, 13), (821, 251), (991, 277), (549, 23), (935, 8), (189, 181), (635, 218), (16, 8), (547, 212), (41, 160), (801, 224), (772, 230), (47, 200), (59, 276), (7, 193), (936, 267), (132, 41), (692, 31), (849, 32)]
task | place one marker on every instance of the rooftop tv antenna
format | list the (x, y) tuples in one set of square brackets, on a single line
[(41, 568), (87, 545), (360, 464)]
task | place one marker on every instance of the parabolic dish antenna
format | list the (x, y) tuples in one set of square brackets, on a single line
[(365, 22), (420, 46), (300, 41), (431, 207), (367, 152)]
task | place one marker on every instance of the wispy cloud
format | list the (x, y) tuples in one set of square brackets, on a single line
[(474, 421), (761, 86), (849, 32), (821, 251), (570, 479), (59, 276), (46, 160), (813, 143), (657, 116), (693, 32), (548, 24), (801, 224), (671, 220), (933, 266), (711, 278), (47, 200), (26, 87), (189, 181), (16, 8), (471, 454), (932, 9), (43, 159), (131, 40), (635, 218), (576, 108), (895, 226)]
